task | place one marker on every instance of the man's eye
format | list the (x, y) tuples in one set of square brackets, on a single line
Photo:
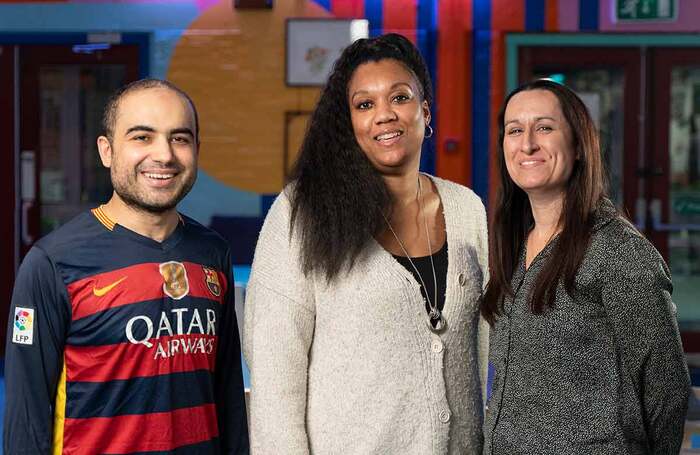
[(545, 128), (141, 138), (181, 140), (402, 98), (513, 131)]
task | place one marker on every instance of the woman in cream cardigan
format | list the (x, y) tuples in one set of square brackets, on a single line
[(361, 317)]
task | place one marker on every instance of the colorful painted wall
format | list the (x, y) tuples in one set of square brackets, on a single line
[(232, 63)]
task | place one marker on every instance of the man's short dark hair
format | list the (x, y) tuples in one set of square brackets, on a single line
[(109, 116)]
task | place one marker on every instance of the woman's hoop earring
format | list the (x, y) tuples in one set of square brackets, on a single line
[(430, 132)]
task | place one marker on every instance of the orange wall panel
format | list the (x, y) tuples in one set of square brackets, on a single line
[(454, 90), (507, 15), (400, 17), (551, 18), (348, 9)]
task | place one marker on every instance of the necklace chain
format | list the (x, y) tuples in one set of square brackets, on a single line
[(435, 314)]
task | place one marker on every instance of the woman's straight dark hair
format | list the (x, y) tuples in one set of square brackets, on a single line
[(512, 218), (338, 198)]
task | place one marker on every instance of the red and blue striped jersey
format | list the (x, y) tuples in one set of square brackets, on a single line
[(119, 344)]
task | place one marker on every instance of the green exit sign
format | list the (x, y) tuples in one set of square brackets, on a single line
[(646, 10)]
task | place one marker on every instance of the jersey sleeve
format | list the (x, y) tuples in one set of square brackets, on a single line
[(230, 398), (38, 322)]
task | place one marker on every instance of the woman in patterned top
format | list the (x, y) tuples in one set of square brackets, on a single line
[(585, 343)]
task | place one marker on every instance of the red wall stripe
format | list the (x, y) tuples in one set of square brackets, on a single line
[(454, 91), (157, 431), (508, 16), (348, 9), (551, 15), (143, 282), (127, 360), (400, 17)]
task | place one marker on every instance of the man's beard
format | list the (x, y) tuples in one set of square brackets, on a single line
[(136, 201)]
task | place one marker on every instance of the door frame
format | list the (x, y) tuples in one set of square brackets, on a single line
[(10, 140), (31, 58), (661, 63), (9, 252), (516, 41), (624, 57), (141, 39)]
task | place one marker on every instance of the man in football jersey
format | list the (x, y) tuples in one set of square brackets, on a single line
[(122, 334)]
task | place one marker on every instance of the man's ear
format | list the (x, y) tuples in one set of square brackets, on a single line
[(105, 149)]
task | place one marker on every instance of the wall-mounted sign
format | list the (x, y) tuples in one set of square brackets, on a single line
[(646, 10), (688, 205)]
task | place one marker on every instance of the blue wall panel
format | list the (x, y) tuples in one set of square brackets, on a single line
[(427, 43), (481, 100), (534, 15), (374, 13), (588, 15)]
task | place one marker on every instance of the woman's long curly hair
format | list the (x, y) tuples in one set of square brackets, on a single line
[(339, 199), (512, 218)]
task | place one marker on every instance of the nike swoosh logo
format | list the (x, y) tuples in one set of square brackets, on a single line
[(99, 292)]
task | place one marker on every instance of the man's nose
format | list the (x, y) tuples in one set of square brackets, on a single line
[(162, 150)]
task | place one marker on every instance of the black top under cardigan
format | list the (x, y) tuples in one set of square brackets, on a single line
[(425, 271)]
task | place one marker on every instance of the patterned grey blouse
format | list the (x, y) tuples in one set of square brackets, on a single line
[(601, 373)]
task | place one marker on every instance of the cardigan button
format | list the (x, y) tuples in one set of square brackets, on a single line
[(462, 279), (436, 346), (444, 416)]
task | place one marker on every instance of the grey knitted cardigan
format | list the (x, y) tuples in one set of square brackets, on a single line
[(603, 373), (351, 367)]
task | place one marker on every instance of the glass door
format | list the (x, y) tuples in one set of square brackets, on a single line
[(608, 81), (9, 246), (675, 185), (64, 90), (646, 104), (51, 101)]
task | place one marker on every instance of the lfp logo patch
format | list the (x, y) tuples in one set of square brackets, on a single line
[(23, 330)]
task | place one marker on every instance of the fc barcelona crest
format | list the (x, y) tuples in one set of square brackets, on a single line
[(175, 283), (212, 279)]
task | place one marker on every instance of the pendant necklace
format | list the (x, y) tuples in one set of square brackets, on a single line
[(435, 315)]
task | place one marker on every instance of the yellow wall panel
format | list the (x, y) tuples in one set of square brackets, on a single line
[(232, 64)]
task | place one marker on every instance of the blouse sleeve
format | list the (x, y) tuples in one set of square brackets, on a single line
[(637, 296), (278, 331)]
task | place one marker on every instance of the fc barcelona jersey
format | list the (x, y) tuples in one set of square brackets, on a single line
[(118, 344)]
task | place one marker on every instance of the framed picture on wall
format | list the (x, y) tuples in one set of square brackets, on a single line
[(313, 45)]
